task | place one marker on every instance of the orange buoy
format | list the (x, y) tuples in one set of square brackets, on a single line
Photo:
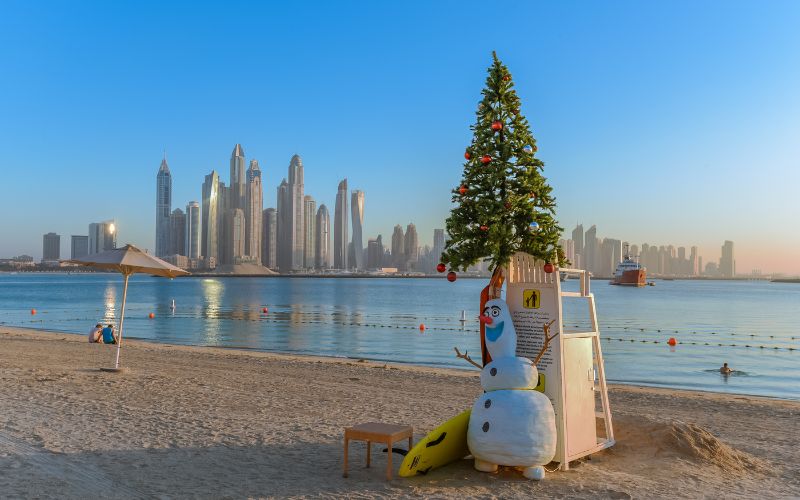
[(672, 341), (422, 327), (151, 316), (265, 310), (33, 311)]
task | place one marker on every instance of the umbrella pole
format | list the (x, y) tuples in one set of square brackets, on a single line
[(121, 320)]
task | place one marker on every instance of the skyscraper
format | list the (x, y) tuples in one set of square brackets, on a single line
[(284, 250), (694, 262), (340, 233), (269, 235), (224, 218), (590, 250), (79, 247), (163, 207), (399, 248), (727, 264), (237, 179), (310, 233), (192, 244), (177, 233), (438, 246), (357, 207), (294, 215), (577, 237), (51, 247), (253, 211), (211, 214), (235, 233), (323, 238), (375, 253), (411, 246), (102, 236)]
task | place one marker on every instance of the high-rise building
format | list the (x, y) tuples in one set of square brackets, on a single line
[(284, 250), (79, 247), (590, 253), (323, 238), (163, 208), (398, 248), (357, 208), (224, 218), (375, 253), (438, 245), (235, 229), (51, 247), (192, 244), (411, 241), (177, 233), (269, 239), (102, 236), (727, 264), (254, 207), (237, 180), (310, 232), (211, 216), (294, 215), (693, 262), (340, 233), (577, 237)]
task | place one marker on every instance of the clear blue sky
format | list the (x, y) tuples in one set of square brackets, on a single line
[(667, 123)]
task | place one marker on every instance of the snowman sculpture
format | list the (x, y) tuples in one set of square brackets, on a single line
[(511, 424)]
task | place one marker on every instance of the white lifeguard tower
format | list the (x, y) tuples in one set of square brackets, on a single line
[(571, 372)]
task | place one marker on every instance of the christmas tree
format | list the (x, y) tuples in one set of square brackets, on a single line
[(503, 204)]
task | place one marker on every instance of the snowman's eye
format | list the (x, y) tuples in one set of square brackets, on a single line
[(495, 312)]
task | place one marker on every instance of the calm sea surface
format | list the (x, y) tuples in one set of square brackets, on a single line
[(378, 319)]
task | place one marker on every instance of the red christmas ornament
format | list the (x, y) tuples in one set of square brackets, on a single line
[(508, 205), (484, 228), (441, 267), (506, 78), (486, 159), (497, 125), (533, 196), (548, 268), (466, 155), (462, 190), (451, 276), (535, 149)]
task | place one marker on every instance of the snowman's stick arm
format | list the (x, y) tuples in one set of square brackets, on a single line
[(466, 357), (547, 339)]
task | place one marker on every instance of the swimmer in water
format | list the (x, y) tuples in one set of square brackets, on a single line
[(725, 370)]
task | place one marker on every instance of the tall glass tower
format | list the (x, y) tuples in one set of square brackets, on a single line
[(340, 227), (357, 208), (163, 208)]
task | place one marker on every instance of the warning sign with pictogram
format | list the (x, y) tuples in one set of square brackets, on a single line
[(531, 299)]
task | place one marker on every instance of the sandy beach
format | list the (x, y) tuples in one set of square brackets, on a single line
[(194, 422)]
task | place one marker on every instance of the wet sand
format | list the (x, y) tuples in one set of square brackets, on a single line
[(194, 422)]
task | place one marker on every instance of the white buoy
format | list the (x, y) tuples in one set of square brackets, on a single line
[(173, 305), (463, 316)]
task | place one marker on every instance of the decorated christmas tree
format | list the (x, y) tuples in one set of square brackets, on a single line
[(503, 204)]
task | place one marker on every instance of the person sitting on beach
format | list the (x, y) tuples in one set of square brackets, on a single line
[(725, 370), (96, 334), (108, 335)]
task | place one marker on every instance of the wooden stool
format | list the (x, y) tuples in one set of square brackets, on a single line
[(380, 433)]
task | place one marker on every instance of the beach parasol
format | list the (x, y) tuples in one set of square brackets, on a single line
[(128, 260)]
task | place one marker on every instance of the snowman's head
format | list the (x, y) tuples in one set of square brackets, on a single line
[(501, 339)]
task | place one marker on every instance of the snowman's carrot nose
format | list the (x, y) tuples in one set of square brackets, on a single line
[(486, 319)]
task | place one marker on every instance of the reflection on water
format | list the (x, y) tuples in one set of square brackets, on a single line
[(110, 300), (212, 296)]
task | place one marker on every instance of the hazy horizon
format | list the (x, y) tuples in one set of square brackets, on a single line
[(659, 123)]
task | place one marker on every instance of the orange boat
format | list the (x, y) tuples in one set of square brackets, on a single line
[(629, 272)]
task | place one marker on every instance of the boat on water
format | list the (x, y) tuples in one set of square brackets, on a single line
[(629, 272)]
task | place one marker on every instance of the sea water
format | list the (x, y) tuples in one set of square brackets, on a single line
[(754, 326)]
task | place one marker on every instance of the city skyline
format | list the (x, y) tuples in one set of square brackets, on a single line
[(669, 120)]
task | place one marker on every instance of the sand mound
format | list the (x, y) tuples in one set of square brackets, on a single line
[(696, 443), (644, 439)]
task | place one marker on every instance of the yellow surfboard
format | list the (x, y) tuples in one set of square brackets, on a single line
[(446, 443)]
